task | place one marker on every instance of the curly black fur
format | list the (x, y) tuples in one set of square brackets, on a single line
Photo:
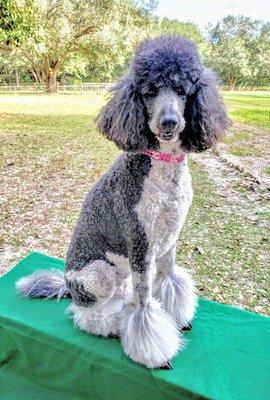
[(205, 115), (124, 119)]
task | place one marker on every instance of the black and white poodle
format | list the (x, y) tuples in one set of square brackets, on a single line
[(120, 265)]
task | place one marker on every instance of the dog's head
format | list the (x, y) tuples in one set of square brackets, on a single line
[(168, 96)]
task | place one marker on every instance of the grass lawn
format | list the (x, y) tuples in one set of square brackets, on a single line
[(51, 154), (249, 137), (251, 108)]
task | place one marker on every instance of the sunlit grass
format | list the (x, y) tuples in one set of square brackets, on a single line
[(249, 108)]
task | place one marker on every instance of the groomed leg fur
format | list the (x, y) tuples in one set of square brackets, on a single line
[(175, 288), (149, 335)]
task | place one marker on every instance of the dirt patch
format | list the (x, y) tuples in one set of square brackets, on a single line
[(245, 195), (249, 148)]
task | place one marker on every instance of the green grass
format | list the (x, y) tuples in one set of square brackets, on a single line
[(249, 108), (267, 170), (243, 144), (51, 154)]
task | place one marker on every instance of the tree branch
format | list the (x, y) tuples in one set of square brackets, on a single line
[(85, 31), (50, 11), (68, 47)]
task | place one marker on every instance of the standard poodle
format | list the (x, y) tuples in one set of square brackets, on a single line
[(120, 266)]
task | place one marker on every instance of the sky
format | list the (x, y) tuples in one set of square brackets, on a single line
[(210, 11)]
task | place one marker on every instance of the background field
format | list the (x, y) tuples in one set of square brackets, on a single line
[(51, 154), (249, 107)]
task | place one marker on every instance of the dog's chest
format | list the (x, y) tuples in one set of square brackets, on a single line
[(164, 203)]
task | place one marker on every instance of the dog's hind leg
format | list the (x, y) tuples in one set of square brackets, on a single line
[(96, 305), (175, 289)]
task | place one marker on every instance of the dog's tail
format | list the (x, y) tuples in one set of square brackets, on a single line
[(43, 283)]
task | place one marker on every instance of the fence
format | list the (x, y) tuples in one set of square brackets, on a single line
[(22, 89), (96, 88), (240, 88)]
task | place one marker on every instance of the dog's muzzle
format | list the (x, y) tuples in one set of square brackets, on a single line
[(171, 127), (168, 126)]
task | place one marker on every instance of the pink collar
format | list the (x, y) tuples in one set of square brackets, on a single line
[(166, 157)]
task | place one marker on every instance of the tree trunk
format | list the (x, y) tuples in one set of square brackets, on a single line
[(51, 84), (46, 74), (17, 75), (39, 75), (232, 82), (51, 69)]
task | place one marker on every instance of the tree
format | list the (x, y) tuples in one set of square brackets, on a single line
[(231, 60), (114, 46), (260, 56), (187, 29), (13, 69), (239, 50), (16, 22), (69, 28), (175, 27)]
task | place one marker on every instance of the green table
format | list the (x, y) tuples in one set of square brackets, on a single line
[(42, 356)]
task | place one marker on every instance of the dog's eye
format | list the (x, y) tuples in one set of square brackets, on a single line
[(179, 91), (149, 92)]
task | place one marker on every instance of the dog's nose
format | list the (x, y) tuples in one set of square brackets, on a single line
[(168, 122)]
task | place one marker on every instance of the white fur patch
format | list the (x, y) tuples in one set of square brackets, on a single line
[(123, 276), (99, 320), (120, 261), (177, 294), (164, 204), (149, 335)]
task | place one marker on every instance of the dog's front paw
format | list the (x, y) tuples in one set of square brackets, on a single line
[(177, 294), (149, 335)]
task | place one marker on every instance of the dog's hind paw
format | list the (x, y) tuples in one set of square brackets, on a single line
[(113, 336)]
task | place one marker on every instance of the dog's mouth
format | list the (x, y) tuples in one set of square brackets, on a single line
[(167, 135)]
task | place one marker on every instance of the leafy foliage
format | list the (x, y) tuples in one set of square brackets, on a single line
[(16, 22), (175, 27), (239, 50), (93, 40)]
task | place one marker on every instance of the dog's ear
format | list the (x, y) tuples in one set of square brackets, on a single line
[(205, 115), (122, 119)]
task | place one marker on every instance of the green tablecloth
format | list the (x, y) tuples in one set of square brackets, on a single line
[(42, 357)]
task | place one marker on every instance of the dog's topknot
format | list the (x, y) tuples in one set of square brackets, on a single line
[(158, 60)]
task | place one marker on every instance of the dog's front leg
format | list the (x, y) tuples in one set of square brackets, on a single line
[(175, 289), (149, 335)]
